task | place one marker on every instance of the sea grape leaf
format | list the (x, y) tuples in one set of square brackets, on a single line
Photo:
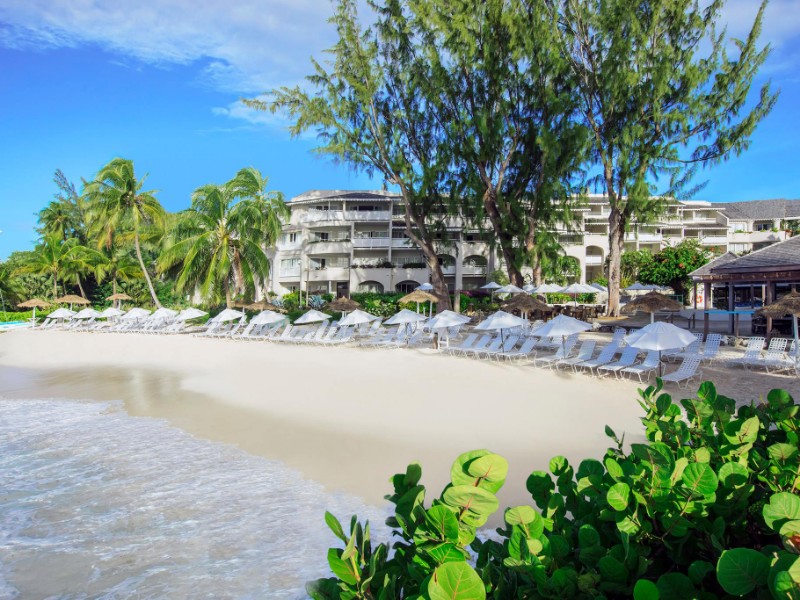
[(733, 475), (742, 570), (700, 479), (490, 469), (335, 526), (675, 586), (618, 496), (456, 581), (645, 590), (443, 521), (782, 507), (782, 452)]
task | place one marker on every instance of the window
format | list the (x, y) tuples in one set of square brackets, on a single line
[(324, 207), (762, 227), (739, 227), (406, 287), (739, 248), (290, 266), (370, 286)]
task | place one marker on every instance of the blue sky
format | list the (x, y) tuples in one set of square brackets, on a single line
[(84, 81)]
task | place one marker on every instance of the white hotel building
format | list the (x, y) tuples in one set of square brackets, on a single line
[(349, 241)]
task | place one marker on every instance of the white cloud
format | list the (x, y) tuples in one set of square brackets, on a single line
[(781, 20), (249, 45)]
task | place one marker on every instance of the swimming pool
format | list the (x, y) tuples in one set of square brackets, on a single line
[(13, 325)]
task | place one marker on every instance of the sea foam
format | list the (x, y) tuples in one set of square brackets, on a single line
[(98, 504)]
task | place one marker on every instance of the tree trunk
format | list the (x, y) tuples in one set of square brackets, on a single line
[(616, 244), (504, 238), (80, 287), (437, 276), (55, 286), (144, 270), (228, 303)]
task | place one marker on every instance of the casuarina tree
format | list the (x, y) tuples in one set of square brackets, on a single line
[(663, 92)]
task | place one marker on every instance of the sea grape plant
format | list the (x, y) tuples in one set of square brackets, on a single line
[(706, 507)]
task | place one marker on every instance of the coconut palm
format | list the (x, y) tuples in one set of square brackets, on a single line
[(10, 286), (219, 242), (64, 215), (249, 184), (63, 260), (118, 265), (116, 202)]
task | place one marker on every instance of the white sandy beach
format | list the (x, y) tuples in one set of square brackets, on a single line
[(346, 417)]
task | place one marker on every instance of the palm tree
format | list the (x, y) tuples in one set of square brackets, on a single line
[(64, 215), (117, 202), (10, 286), (118, 265), (60, 259), (219, 242)]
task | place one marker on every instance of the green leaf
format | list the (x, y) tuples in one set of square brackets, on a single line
[(539, 484), (558, 465), (779, 398), (456, 581), (473, 502), (698, 571), (443, 521), (612, 569), (443, 553), (341, 568), (490, 469), (742, 570), (645, 590), (335, 526), (527, 518), (782, 507), (782, 452), (618, 496), (614, 469), (700, 479), (790, 534), (675, 586), (733, 475), (742, 432), (590, 467), (588, 536), (459, 472)]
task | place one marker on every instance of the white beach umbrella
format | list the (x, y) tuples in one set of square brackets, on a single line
[(447, 318), (111, 312), (425, 287), (638, 287), (660, 336), (563, 326), (404, 317), (86, 313), (598, 287), (578, 288), (357, 317), (530, 288), (61, 313), (491, 286), (187, 314), (136, 313), (510, 289), (268, 317), (312, 316), (228, 315), (500, 321), (163, 313), (548, 288)]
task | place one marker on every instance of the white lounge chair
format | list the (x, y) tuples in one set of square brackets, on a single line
[(524, 351), (686, 372), (563, 352), (492, 346), (752, 353), (482, 342), (506, 345), (647, 367), (467, 342), (605, 357), (627, 359), (585, 352), (774, 356)]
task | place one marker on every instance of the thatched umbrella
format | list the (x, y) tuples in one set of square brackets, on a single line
[(524, 304), (419, 296), (263, 305), (33, 303), (118, 297), (71, 299), (788, 305), (651, 303), (343, 305)]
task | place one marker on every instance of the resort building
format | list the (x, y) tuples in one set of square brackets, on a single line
[(339, 241)]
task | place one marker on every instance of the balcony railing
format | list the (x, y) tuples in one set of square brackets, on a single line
[(367, 215), (290, 272), (402, 243), (714, 240), (314, 216), (371, 242), (296, 245), (643, 237), (473, 270), (594, 260)]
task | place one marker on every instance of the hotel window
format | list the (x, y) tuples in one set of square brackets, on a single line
[(739, 227), (289, 265), (762, 226), (739, 248)]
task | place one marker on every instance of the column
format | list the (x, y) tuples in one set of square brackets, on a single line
[(731, 307), (769, 300), (706, 303)]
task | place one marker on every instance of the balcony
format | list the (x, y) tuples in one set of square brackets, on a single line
[(593, 261), (472, 270), (643, 237), (329, 247), (287, 246), (449, 270), (402, 243), (290, 273), (367, 242), (714, 240), (317, 216), (329, 274), (367, 215)]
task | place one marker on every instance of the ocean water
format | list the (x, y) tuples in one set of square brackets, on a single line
[(95, 503)]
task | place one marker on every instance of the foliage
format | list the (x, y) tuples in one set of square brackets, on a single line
[(671, 266), (631, 264), (499, 277), (117, 205), (662, 94), (11, 287), (705, 507), (219, 242), (561, 269), (65, 215), (60, 259)]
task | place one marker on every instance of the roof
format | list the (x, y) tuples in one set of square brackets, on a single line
[(317, 195), (714, 262), (782, 255), (761, 209)]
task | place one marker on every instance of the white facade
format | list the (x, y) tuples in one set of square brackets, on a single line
[(348, 241)]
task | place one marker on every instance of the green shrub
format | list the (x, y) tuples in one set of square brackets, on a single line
[(707, 507)]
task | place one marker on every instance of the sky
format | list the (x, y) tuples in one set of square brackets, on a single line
[(160, 83)]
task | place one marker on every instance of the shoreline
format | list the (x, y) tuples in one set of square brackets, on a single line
[(348, 418)]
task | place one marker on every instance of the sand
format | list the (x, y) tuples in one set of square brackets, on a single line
[(346, 417)]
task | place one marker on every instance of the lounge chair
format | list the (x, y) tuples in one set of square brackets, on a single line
[(506, 345), (585, 352), (627, 359), (343, 335), (751, 353), (484, 341), (563, 352), (492, 346), (606, 356), (467, 342), (774, 356), (692, 349), (524, 351), (647, 367), (686, 372)]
